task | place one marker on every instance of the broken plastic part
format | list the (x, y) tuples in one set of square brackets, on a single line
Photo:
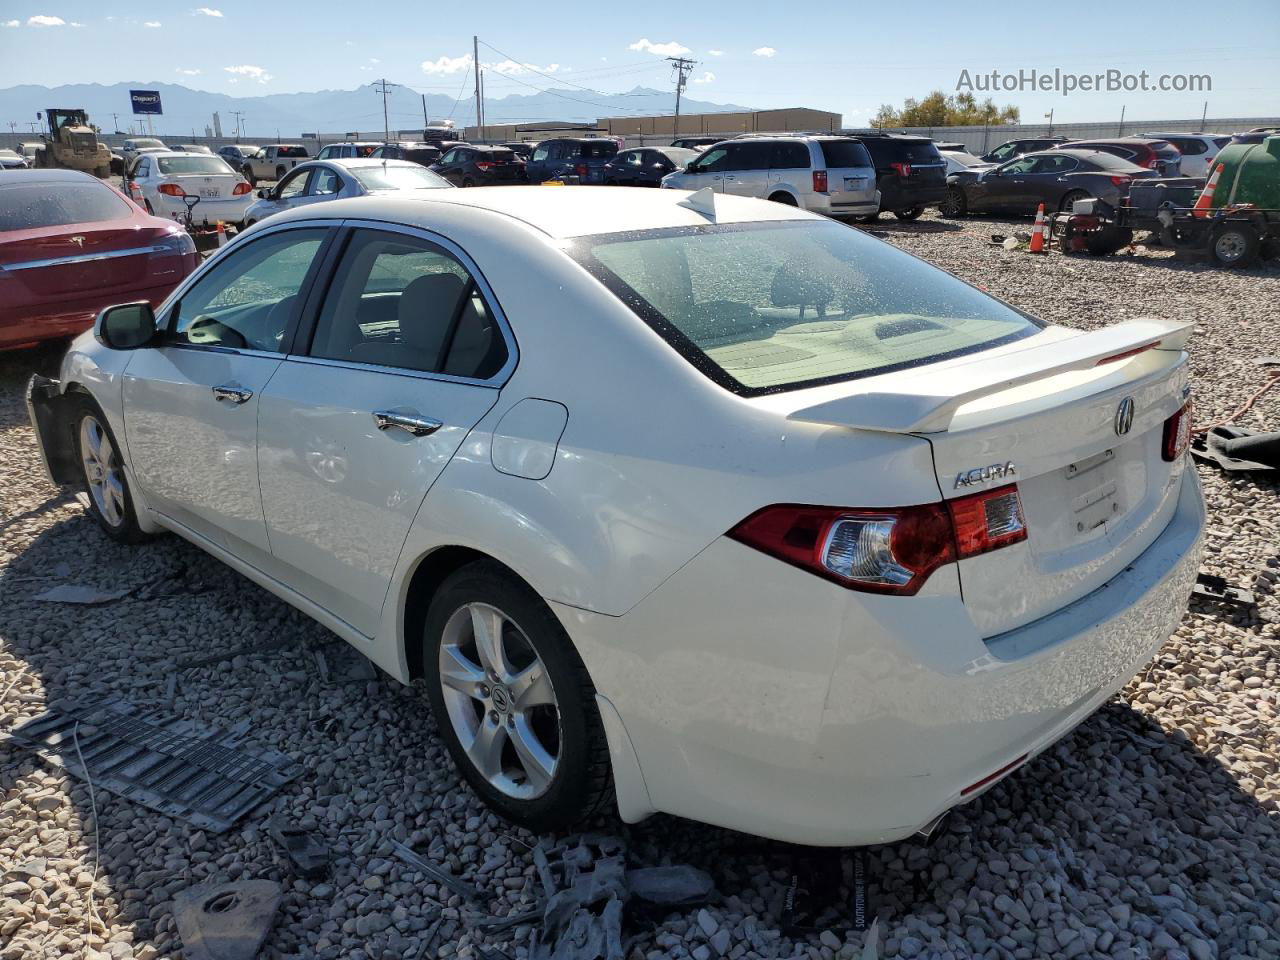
[(309, 857), (226, 921), (438, 874)]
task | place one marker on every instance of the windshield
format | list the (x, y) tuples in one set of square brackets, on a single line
[(966, 159), (387, 177), (196, 163), (51, 204), (139, 144), (764, 307)]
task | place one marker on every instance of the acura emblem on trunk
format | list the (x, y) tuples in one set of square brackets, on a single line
[(996, 471), (1124, 416)]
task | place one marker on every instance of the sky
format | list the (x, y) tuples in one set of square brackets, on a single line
[(848, 59)]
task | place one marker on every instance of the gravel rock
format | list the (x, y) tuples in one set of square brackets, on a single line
[(1150, 831)]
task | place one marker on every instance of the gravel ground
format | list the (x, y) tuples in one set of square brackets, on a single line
[(1152, 831)]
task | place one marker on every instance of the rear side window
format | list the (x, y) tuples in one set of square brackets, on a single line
[(28, 206), (845, 153), (920, 151), (603, 148), (749, 156), (765, 307), (790, 156), (404, 302), (291, 152), (1222, 141)]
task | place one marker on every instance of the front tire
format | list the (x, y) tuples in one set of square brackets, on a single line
[(1235, 245), (908, 215), (954, 204), (513, 701), (1069, 199), (102, 469), (786, 199)]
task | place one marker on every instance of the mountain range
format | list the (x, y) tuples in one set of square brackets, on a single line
[(188, 111)]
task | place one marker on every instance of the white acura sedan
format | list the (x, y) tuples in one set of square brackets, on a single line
[(703, 503)]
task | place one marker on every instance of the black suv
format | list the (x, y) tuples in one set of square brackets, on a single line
[(581, 157), (423, 153), (477, 166), (910, 173), (1012, 149)]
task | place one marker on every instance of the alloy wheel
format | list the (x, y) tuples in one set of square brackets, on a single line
[(102, 471), (500, 701)]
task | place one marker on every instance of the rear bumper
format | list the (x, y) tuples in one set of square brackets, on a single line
[(764, 699), (208, 212), (25, 325), (894, 196)]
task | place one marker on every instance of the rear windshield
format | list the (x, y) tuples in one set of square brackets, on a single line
[(1109, 161), (1221, 141), (499, 156), (138, 144), (845, 153), (766, 307), (51, 204), (196, 163), (291, 152), (605, 148), (398, 178), (911, 151)]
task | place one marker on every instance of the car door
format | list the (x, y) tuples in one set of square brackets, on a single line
[(291, 191), (450, 166), (789, 165), (535, 169), (1048, 182), (1001, 188), (191, 404), (747, 171), (406, 355), (709, 171)]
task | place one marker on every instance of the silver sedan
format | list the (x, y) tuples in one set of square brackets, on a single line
[(321, 180)]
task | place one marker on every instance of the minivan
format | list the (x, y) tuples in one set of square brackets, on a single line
[(827, 175)]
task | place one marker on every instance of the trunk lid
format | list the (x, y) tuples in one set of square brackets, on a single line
[(1078, 432), (62, 263), (851, 175)]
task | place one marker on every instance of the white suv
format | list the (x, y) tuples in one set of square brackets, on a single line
[(828, 175), (1198, 149)]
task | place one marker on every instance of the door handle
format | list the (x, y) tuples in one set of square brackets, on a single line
[(410, 423), (236, 395)]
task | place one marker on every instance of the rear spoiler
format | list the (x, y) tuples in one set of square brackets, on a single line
[(924, 401)]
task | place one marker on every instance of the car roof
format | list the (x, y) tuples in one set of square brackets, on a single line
[(349, 163), (562, 212), (1080, 153), (49, 176), (168, 154)]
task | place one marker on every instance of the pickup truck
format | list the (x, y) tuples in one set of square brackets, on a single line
[(273, 162)]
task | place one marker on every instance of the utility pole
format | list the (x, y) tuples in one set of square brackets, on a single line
[(682, 67), (424, 114), (1204, 115), (115, 122), (1050, 116), (475, 62), (237, 114), (385, 88), (1120, 132)]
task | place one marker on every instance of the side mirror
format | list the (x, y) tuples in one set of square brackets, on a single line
[(264, 194), (691, 167), (126, 327)]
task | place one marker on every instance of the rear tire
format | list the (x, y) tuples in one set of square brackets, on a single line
[(785, 199), (908, 215), (468, 182), (102, 472), (1069, 198), (544, 765), (280, 172), (247, 173)]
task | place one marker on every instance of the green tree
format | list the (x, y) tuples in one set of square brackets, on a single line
[(939, 110)]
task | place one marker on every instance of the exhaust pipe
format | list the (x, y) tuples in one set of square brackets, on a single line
[(929, 832)]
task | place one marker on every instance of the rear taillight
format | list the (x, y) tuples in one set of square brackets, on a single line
[(885, 551), (1120, 181), (171, 190), (820, 181), (580, 169), (241, 189), (1153, 162), (484, 166), (1177, 434), (987, 521), (901, 169)]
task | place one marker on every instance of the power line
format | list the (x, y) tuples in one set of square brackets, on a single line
[(682, 67), (384, 88)]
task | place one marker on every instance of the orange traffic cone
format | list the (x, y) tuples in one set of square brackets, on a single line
[(1038, 232), (222, 233), (1205, 201)]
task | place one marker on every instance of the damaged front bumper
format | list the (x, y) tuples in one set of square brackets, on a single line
[(49, 410)]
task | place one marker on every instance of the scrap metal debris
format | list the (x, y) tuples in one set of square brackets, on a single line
[(439, 875), (1238, 449), (1217, 588), (162, 761), (226, 921)]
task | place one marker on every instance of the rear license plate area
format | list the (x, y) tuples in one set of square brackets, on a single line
[(1094, 490), (210, 193)]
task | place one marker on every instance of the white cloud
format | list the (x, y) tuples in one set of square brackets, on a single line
[(10, 23), (43, 21), (446, 65), (669, 49), (764, 51), (374, 60), (152, 24), (707, 77), (188, 73), (249, 72), (206, 12), (510, 67), (75, 23), (716, 53), (367, 69)]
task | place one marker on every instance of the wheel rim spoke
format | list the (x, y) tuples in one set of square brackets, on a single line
[(486, 748), (538, 765), (486, 626), (457, 672), (532, 688)]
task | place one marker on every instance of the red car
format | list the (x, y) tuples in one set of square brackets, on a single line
[(71, 245)]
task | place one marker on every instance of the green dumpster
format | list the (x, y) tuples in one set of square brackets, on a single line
[(1250, 174)]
